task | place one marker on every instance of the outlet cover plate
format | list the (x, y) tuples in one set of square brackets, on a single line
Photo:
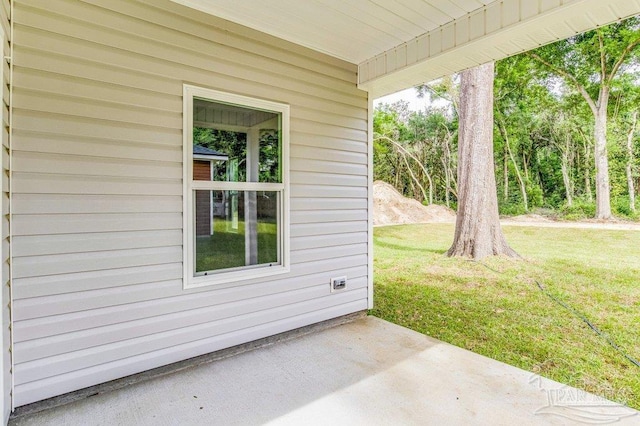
[(338, 284)]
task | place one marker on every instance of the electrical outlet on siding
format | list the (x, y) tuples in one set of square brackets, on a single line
[(338, 284)]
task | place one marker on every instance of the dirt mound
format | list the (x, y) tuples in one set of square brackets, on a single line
[(390, 208)]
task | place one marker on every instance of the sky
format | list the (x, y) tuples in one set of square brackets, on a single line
[(410, 95), (415, 103)]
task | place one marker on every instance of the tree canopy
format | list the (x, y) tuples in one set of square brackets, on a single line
[(549, 148)]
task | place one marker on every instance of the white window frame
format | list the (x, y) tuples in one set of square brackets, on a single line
[(190, 280)]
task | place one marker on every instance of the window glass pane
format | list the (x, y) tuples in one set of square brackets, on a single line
[(270, 156), (235, 229), (242, 144)]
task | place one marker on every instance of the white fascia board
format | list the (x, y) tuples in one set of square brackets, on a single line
[(494, 32)]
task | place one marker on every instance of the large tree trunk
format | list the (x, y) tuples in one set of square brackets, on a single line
[(603, 190), (629, 168), (478, 233)]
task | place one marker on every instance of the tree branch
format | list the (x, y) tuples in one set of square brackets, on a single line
[(413, 176), (622, 58), (569, 79), (603, 59), (404, 151)]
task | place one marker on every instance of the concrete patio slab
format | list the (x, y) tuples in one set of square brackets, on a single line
[(367, 372)]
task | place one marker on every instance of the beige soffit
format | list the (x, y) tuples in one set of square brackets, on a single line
[(401, 43)]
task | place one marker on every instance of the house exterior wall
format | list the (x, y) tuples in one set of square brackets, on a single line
[(202, 171), (97, 189), (5, 295)]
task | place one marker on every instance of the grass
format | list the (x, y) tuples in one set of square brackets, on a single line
[(226, 248), (496, 309)]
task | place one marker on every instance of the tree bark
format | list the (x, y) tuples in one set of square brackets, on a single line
[(603, 189), (629, 168), (478, 233)]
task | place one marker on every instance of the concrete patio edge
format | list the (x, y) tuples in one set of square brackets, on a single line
[(113, 385), (366, 371)]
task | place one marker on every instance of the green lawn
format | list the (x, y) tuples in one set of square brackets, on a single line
[(226, 247), (496, 309)]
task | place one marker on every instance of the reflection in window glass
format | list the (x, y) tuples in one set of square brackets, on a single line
[(246, 142), (235, 229), (236, 188)]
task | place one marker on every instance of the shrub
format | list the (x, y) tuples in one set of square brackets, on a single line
[(621, 207), (511, 209), (535, 195), (581, 209)]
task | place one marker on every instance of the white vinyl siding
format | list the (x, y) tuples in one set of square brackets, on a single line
[(97, 189), (5, 252)]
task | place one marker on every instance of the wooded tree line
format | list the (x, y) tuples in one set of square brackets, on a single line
[(566, 131)]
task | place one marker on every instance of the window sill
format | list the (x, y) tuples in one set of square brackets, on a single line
[(234, 277)]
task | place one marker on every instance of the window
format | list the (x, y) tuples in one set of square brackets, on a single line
[(235, 187)]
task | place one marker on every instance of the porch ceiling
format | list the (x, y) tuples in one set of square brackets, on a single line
[(401, 43)]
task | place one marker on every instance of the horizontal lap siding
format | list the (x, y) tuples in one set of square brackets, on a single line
[(5, 335), (97, 189)]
